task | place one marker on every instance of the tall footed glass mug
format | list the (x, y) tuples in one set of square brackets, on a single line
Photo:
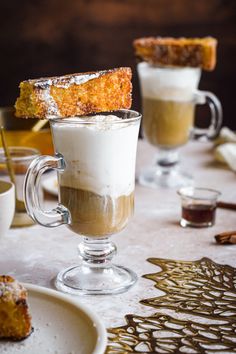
[(95, 162), (169, 97)]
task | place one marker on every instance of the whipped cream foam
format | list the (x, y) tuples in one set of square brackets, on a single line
[(99, 154), (176, 84)]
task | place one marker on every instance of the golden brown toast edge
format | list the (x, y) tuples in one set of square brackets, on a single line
[(180, 52), (76, 94)]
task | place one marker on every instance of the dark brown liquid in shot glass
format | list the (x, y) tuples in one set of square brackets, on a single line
[(199, 213)]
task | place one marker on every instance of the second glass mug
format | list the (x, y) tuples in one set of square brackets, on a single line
[(95, 163), (169, 97)]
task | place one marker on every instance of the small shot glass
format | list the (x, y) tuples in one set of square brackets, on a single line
[(198, 206)]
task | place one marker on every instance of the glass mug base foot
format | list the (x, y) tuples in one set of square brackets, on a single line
[(155, 178), (86, 280)]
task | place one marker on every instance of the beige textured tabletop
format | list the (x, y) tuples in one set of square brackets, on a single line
[(36, 254)]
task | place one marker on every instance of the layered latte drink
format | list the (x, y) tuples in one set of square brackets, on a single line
[(168, 103), (97, 185), (95, 153)]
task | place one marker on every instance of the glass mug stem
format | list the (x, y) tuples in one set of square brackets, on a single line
[(96, 251), (166, 159), (52, 218)]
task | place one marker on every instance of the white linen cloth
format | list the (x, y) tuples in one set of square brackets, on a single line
[(225, 150)]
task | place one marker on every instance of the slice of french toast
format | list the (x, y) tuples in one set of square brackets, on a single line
[(75, 94), (180, 52), (15, 319)]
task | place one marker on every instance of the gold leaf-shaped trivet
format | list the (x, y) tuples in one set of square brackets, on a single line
[(196, 315)]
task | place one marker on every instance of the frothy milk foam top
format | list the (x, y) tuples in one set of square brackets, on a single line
[(100, 157), (168, 83)]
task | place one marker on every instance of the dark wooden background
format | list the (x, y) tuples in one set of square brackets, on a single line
[(55, 37)]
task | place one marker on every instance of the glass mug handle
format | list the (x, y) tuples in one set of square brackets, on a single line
[(202, 97), (50, 218)]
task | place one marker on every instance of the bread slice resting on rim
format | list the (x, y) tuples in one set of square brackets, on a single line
[(179, 52), (75, 94)]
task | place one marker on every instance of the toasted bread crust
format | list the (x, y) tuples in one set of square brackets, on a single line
[(182, 52), (15, 320), (75, 95)]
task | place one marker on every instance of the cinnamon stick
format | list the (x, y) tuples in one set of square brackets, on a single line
[(228, 237), (225, 205)]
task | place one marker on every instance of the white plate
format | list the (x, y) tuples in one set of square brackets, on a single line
[(50, 184), (61, 324)]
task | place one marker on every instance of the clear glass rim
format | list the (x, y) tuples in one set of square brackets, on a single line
[(31, 153), (189, 192), (135, 116)]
